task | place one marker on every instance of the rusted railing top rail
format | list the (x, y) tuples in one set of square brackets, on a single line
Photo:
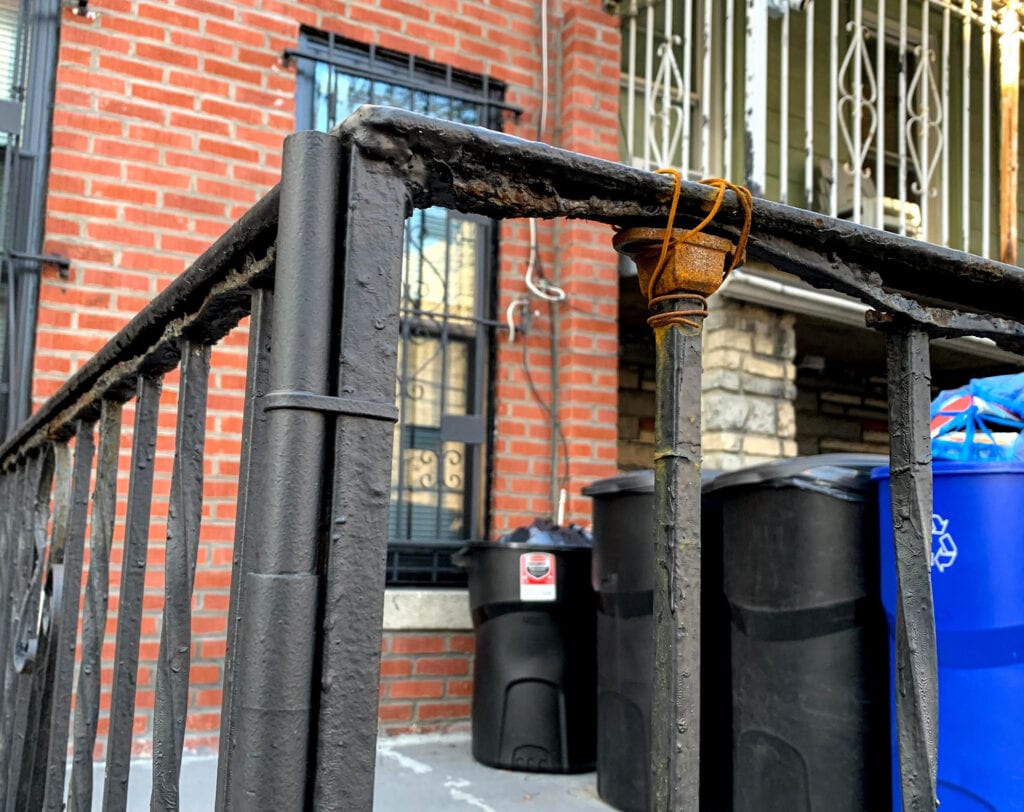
[(485, 172), (203, 303), (489, 173)]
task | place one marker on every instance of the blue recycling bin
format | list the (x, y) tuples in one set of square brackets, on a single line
[(978, 584)]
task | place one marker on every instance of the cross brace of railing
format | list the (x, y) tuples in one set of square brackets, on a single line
[(301, 676)]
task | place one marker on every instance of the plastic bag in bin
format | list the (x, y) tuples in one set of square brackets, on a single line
[(981, 421)]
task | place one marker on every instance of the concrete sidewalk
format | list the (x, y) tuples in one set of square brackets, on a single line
[(433, 773)]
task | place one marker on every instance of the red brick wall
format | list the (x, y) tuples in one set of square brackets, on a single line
[(168, 124), (426, 681)]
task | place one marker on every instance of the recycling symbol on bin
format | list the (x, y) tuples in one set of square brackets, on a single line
[(943, 546)]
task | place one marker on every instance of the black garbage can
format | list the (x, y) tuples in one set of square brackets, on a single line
[(623, 574), (534, 679), (809, 648)]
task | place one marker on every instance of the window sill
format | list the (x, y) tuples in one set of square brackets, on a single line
[(426, 609)]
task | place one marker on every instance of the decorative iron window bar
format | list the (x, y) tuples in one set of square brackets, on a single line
[(299, 719), (438, 481)]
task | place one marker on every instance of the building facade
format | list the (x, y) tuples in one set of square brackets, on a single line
[(526, 366)]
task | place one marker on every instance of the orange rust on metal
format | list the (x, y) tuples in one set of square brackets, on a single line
[(695, 265)]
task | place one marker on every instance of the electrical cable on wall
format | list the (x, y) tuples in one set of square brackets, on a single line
[(539, 287)]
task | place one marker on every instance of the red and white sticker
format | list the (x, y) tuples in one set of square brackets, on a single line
[(537, 577)]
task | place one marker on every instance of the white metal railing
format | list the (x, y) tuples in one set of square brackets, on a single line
[(883, 111)]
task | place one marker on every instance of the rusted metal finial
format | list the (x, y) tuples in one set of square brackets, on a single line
[(684, 265), (695, 263)]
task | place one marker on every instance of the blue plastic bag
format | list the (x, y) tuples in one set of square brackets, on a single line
[(981, 421)]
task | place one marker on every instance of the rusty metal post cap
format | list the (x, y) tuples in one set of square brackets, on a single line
[(696, 265)]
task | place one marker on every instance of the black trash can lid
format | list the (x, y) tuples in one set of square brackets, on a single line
[(844, 476), (541, 535), (635, 482)]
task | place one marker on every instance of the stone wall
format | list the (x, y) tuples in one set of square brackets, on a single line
[(841, 408), (748, 389)]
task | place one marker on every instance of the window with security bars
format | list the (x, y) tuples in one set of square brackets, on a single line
[(28, 62), (438, 478)]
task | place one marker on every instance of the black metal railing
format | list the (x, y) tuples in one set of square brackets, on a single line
[(317, 266)]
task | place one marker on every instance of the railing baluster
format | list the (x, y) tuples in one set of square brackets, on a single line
[(129, 612), (24, 724), (917, 709), (273, 685), (251, 468), (675, 714), (64, 634), (183, 517), (94, 617), (18, 571), (755, 89), (354, 592), (986, 128), (11, 485)]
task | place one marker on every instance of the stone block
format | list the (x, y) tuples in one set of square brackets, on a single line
[(855, 447), (722, 461), (629, 427), (789, 448), (721, 441), (786, 420), (762, 446), (770, 387), (636, 404), (723, 410), (766, 368), (816, 425), (762, 416), (633, 456), (727, 338), (727, 379), (629, 378), (724, 359), (877, 437), (841, 397)]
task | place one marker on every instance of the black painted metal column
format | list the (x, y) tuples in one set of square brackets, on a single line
[(272, 703), (676, 272), (917, 705), (251, 475), (675, 714), (357, 553)]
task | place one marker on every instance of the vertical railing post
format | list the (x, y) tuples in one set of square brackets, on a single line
[(38, 475), (94, 615), (675, 719), (676, 284), (130, 594), (910, 460), (273, 683), (353, 613), (184, 514), (250, 481), (755, 111), (30, 645)]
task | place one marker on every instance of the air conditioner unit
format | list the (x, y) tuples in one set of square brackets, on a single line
[(893, 209)]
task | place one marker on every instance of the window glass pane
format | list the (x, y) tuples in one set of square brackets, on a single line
[(8, 43), (433, 496), (428, 488)]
